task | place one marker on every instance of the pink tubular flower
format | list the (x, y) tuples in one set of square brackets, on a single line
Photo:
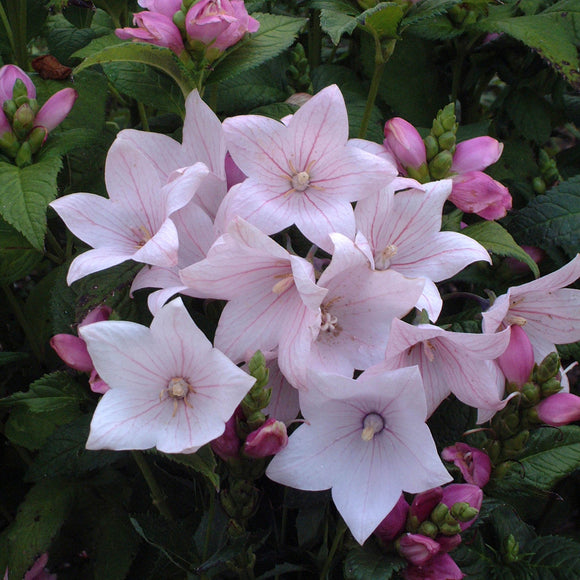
[(474, 464), (476, 192), (393, 524), (165, 7), (424, 503), (155, 28), (440, 567), (219, 24), (227, 445), (417, 549), (54, 111), (517, 361), (405, 143), (267, 440), (463, 493), (559, 409), (476, 154), (9, 74)]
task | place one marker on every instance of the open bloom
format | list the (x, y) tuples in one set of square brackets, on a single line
[(170, 388), (367, 440), (304, 173), (474, 464)]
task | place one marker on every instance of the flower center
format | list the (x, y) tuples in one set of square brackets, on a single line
[(328, 322), (383, 258), (300, 181), (373, 423), (177, 389)]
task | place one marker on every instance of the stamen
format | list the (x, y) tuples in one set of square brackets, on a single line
[(515, 319), (383, 258), (429, 350), (144, 234), (301, 181), (177, 389), (373, 423), (282, 285), (328, 322)]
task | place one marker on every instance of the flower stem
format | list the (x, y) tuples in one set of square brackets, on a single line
[(143, 116), (17, 14), (7, 27), (157, 496), (314, 40), (340, 529)]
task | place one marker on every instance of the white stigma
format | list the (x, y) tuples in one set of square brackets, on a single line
[(383, 258), (177, 389), (300, 181), (328, 321), (373, 423)]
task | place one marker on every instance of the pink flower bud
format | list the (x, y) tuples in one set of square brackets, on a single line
[(267, 440), (97, 384), (73, 351), (476, 154), (154, 28), (219, 23), (559, 409), (417, 549), (463, 493), (477, 192), (166, 7), (405, 143), (517, 361), (424, 503), (234, 174), (448, 543), (392, 525), (474, 464), (97, 314), (9, 74), (227, 445), (518, 267), (54, 111), (440, 567)]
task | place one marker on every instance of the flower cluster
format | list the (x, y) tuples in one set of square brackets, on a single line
[(208, 225)]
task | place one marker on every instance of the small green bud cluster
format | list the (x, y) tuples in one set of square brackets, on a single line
[(298, 70), (549, 174), (462, 15), (440, 144)]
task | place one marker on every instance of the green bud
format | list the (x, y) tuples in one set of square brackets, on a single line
[(9, 144), (501, 470), (24, 100), (437, 130), (36, 138), (447, 117), (551, 387), (548, 368), (539, 185), (463, 512), (493, 448), (530, 394), (412, 524), (187, 4), (24, 155), (19, 90), (421, 174), (447, 141), (514, 445), (428, 528), (532, 416), (366, 4), (23, 120), (33, 105), (179, 19), (440, 165), (431, 146), (439, 514), (511, 549), (292, 72), (9, 108), (470, 18), (450, 529), (508, 423)]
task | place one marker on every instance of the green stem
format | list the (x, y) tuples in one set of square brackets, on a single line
[(7, 27), (340, 529), (23, 321), (143, 116), (55, 246), (157, 496), (314, 40), (17, 12)]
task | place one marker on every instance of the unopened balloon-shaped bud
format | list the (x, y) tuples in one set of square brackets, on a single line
[(394, 522), (417, 549), (440, 165), (551, 387), (474, 464), (517, 361), (54, 111), (548, 368), (24, 155), (267, 440), (405, 143), (559, 409)]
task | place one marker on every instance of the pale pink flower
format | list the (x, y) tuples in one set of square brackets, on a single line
[(304, 173), (559, 409), (366, 439), (548, 312), (266, 287), (170, 389), (451, 362), (219, 24), (351, 327), (403, 231), (154, 28), (269, 439), (474, 464)]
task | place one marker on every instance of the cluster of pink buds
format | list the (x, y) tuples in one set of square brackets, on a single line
[(425, 531), (23, 125), (439, 157), (73, 349), (207, 26)]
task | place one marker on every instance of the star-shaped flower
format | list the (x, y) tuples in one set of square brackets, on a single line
[(169, 388)]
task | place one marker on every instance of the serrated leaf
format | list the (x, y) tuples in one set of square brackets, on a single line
[(97, 45), (496, 240), (156, 56), (552, 221), (203, 461), (17, 257), (64, 453), (383, 19), (368, 562), (25, 193), (552, 34), (555, 554), (7, 358), (335, 24), (530, 113), (426, 10), (276, 34), (39, 518)]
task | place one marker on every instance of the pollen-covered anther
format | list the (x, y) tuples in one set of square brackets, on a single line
[(429, 350), (373, 423), (383, 258), (300, 181), (285, 281), (515, 319), (177, 389)]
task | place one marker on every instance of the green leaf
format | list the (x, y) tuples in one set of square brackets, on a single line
[(367, 562), (25, 193), (39, 518), (7, 358), (276, 34), (203, 461), (64, 453), (530, 113), (98, 44), (555, 554), (551, 33), (17, 257), (335, 24), (552, 221), (496, 240), (426, 10), (156, 56), (383, 20)]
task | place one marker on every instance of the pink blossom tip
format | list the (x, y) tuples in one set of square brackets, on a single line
[(517, 361), (474, 464), (405, 143), (154, 28), (227, 445), (73, 351), (417, 549), (559, 409), (267, 440), (476, 192), (55, 110), (476, 154), (440, 567), (424, 503), (393, 524), (9, 74), (166, 7)]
